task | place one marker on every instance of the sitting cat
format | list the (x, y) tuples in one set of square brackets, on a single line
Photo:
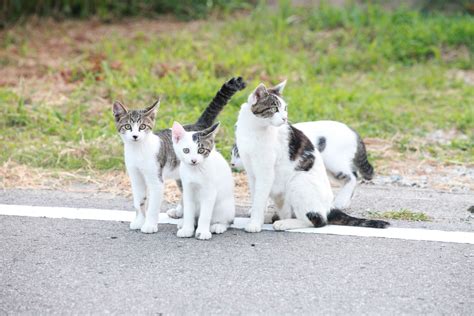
[(282, 163), (208, 186), (343, 153), (149, 156)]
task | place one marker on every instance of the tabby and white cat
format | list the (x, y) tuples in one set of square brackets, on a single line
[(208, 185), (149, 156), (282, 163), (343, 153)]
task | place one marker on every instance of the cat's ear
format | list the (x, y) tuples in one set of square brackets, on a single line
[(278, 89), (119, 109), (151, 110), (211, 131), (177, 132), (257, 94)]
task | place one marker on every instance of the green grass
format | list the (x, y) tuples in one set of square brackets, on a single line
[(383, 73), (403, 214)]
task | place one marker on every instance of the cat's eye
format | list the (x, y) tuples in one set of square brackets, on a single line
[(142, 127), (128, 126), (201, 151), (186, 150), (275, 109)]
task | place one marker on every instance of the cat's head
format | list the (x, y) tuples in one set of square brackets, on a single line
[(235, 160), (193, 147), (134, 125), (268, 104)]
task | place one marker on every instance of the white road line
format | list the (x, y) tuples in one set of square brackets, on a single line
[(239, 223)]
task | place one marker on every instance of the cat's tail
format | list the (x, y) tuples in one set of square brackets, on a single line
[(361, 161), (223, 96), (338, 217)]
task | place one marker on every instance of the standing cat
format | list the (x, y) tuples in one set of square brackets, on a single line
[(282, 163), (208, 186), (343, 153), (149, 156)]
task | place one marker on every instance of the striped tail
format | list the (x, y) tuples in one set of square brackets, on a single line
[(217, 104), (338, 217), (361, 162)]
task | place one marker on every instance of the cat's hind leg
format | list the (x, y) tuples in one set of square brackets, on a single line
[(285, 221), (344, 196)]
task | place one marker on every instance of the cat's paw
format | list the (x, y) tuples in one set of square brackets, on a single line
[(185, 232), (175, 212), (280, 225), (253, 228), (138, 222), (180, 223), (203, 234), (218, 228), (149, 228)]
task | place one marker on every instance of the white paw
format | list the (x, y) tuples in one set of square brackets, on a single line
[(280, 225), (175, 212), (138, 222), (185, 232), (218, 228), (149, 228), (253, 228), (203, 234)]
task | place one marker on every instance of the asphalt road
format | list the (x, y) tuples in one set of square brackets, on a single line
[(60, 266)]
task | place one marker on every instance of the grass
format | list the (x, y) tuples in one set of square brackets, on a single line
[(384, 73), (403, 214)]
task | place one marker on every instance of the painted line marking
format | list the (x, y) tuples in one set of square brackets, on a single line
[(240, 222)]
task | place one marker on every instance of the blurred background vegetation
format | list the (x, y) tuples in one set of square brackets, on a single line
[(402, 75)]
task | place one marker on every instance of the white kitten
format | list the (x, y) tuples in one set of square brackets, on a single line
[(282, 163), (208, 186), (343, 153)]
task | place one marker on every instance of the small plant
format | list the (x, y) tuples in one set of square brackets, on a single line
[(402, 214)]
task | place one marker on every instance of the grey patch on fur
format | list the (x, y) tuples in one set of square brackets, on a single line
[(341, 176), (321, 144), (266, 106), (205, 139), (471, 209), (301, 149), (361, 161), (135, 116), (166, 154), (235, 151)]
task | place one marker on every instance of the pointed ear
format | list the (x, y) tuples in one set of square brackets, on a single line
[(278, 89), (211, 131), (177, 132), (119, 109), (151, 110), (257, 94)]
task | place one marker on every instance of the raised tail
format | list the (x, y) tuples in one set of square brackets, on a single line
[(223, 96), (338, 217), (361, 162)]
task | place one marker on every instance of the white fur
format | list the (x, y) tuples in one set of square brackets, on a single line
[(208, 189), (143, 169), (341, 146), (263, 148)]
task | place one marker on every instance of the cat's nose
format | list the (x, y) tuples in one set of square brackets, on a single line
[(135, 137), (193, 161)]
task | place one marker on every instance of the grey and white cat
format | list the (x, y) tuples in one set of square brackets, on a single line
[(208, 185), (282, 163), (343, 153), (150, 158)]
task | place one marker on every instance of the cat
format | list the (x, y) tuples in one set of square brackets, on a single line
[(282, 163), (149, 156), (343, 153), (208, 185)]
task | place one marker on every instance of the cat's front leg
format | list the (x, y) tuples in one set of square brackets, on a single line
[(177, 212), (263, 185), (208, 201), (155, 191), (189, 215), (139, 197)]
